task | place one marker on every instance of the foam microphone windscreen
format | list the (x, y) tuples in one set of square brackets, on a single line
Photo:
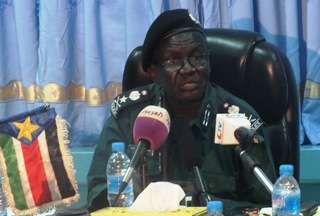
[(153, 125), (187, 144)]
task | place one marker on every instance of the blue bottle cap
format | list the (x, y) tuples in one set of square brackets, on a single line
[(118, 146), (286, 169), (214, 206)]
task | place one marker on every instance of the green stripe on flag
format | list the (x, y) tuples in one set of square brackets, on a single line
[(11, 162)]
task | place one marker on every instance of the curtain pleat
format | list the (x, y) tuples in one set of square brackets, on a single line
[(71, 53), (311, 83)]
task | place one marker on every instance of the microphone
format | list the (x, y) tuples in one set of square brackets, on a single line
[(190, 154), (234, 129), (246, 138), (150, 130), (226, 124)]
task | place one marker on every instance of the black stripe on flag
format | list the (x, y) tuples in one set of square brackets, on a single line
[(65, 187)]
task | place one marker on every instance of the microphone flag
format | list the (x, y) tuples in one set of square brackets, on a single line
[(36, 164), (226, 124), (150, 130), (153, 125)]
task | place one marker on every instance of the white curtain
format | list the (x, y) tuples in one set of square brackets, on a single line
[(71, 53)]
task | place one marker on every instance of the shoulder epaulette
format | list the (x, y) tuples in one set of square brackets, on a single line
[(231, 106), (128, 98)]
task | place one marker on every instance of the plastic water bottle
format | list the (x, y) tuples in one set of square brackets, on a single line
[(117, 166), (215, 208), (286, 193), (3, 203)]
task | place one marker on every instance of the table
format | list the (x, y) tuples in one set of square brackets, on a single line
[(123, 211), (268, 211)]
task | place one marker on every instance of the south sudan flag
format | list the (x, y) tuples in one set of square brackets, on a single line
[(35, 161)]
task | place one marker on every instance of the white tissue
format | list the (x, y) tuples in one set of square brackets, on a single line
[(158, 197)]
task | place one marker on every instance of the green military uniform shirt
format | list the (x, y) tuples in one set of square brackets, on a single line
[(224, 174)]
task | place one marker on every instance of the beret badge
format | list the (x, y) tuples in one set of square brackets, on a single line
[(167, 24), (194, 18)]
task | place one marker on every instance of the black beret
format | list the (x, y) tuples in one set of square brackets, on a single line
[(165, 25)]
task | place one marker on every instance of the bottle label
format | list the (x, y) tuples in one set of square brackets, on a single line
[(114, 182), (289, 203), (278, 202)]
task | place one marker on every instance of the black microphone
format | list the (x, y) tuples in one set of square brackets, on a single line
[(246, 137), (150, 130), (190, 154)]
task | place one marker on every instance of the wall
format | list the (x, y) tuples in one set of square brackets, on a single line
[(82, 157), (310, 172)]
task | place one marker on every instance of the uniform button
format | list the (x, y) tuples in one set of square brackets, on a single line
[(212, 185)]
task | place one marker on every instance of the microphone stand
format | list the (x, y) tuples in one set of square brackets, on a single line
[(166, 162), (204, 197), (135, 161), (245, 141), (144, 173), (254, 167)]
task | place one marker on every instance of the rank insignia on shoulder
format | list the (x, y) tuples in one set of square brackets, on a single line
[(128, 98)]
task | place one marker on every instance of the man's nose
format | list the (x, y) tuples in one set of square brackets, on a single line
[(187, 66)]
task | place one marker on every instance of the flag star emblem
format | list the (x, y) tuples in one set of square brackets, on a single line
[(26, 128)]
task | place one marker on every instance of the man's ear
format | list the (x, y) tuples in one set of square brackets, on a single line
[(152, 70)]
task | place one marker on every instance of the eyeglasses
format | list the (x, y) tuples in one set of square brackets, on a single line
[(198, 61)]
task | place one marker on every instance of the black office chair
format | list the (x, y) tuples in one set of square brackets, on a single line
[(245, 64)]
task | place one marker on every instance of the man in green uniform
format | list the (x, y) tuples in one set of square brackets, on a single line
[(175, 53)]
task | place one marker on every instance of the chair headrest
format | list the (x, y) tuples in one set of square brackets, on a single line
[(243, 63), (246, 65)]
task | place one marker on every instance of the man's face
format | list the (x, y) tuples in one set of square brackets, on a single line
[(182, 67)]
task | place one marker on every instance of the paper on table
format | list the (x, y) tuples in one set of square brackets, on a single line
[(158, 197)]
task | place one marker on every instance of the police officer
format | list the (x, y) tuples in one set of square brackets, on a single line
[(176, 55)]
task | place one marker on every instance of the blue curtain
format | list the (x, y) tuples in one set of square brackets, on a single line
[(71, 53)]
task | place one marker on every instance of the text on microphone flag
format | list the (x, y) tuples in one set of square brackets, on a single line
[(158, 113), (153, 125)]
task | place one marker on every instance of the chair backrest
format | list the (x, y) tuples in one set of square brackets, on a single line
[(245, 64)]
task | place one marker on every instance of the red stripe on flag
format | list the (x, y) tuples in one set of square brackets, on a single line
[(36, 173)]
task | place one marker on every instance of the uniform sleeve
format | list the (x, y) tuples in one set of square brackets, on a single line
[(250, 188), (124, 110)]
